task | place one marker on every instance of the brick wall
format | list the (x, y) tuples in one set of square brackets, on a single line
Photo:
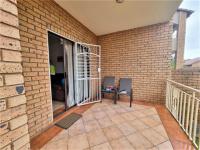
[(142, 54), (13, 118), (35, 17), (187, 76)]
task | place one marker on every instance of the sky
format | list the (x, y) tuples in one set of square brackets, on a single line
[(192, 41)]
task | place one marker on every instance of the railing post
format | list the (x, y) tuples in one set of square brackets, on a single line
[(181, 107), (198, 143), (188, 114), (167, 95), (192, 115), (195, 122), (186, 107)]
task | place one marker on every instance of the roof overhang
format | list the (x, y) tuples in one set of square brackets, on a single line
[(107, 16)]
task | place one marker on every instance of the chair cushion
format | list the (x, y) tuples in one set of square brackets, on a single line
[(108, 90), (123, 92)]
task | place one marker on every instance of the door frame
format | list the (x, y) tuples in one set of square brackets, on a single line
[(73, 41), (50, 90)]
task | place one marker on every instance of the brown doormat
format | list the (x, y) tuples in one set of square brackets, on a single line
[(68, 121)]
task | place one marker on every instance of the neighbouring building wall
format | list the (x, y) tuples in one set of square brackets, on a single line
[(196, 65), (142, 54), (13, 118), (35, 17)]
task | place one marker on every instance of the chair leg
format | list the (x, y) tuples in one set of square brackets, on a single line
[(131, 99), (130, 102), (115, 98)]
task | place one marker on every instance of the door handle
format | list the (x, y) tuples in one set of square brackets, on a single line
[(65, 75)]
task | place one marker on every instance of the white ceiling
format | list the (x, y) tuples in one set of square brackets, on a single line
[(107, 16)]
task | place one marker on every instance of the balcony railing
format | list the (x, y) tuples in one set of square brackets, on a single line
[(183, 103)]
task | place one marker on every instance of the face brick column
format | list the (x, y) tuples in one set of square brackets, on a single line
[(13, 118), (181, 40)]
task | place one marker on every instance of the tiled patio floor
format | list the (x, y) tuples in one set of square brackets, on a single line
[(106, 126)]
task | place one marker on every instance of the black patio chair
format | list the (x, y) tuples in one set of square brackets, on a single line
[(108, 86), (125, 88)]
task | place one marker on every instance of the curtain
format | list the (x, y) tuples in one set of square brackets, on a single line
[(69, 72)]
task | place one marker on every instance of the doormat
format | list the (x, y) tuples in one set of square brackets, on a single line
[(66, 122)]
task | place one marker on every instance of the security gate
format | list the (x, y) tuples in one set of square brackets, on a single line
[(87, 70)]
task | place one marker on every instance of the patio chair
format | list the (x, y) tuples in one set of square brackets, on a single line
[(108, 86), (125, 88)]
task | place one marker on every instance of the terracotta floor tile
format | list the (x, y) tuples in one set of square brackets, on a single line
[(64, 134), (77, 128), (126, 128), (99, 115), (156, 118), (105, 122), (154, 148), (106, 108), (112, 133), (111, 112), (179, 145), (138, 125), (128, 108), (115, 106), (88, 117), (104, 146), (91, 125), (150, 111), (96, 108), (78, 142), (120, 110), (40, 140), (88, 111), (117, 119), (96, 137), (61, 144), (177, 137), (138, 141), (165, 146), (161, 130), (120, 144), (140, 107), (150, 121), (128, 116), (154, 137), (138, 114)]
